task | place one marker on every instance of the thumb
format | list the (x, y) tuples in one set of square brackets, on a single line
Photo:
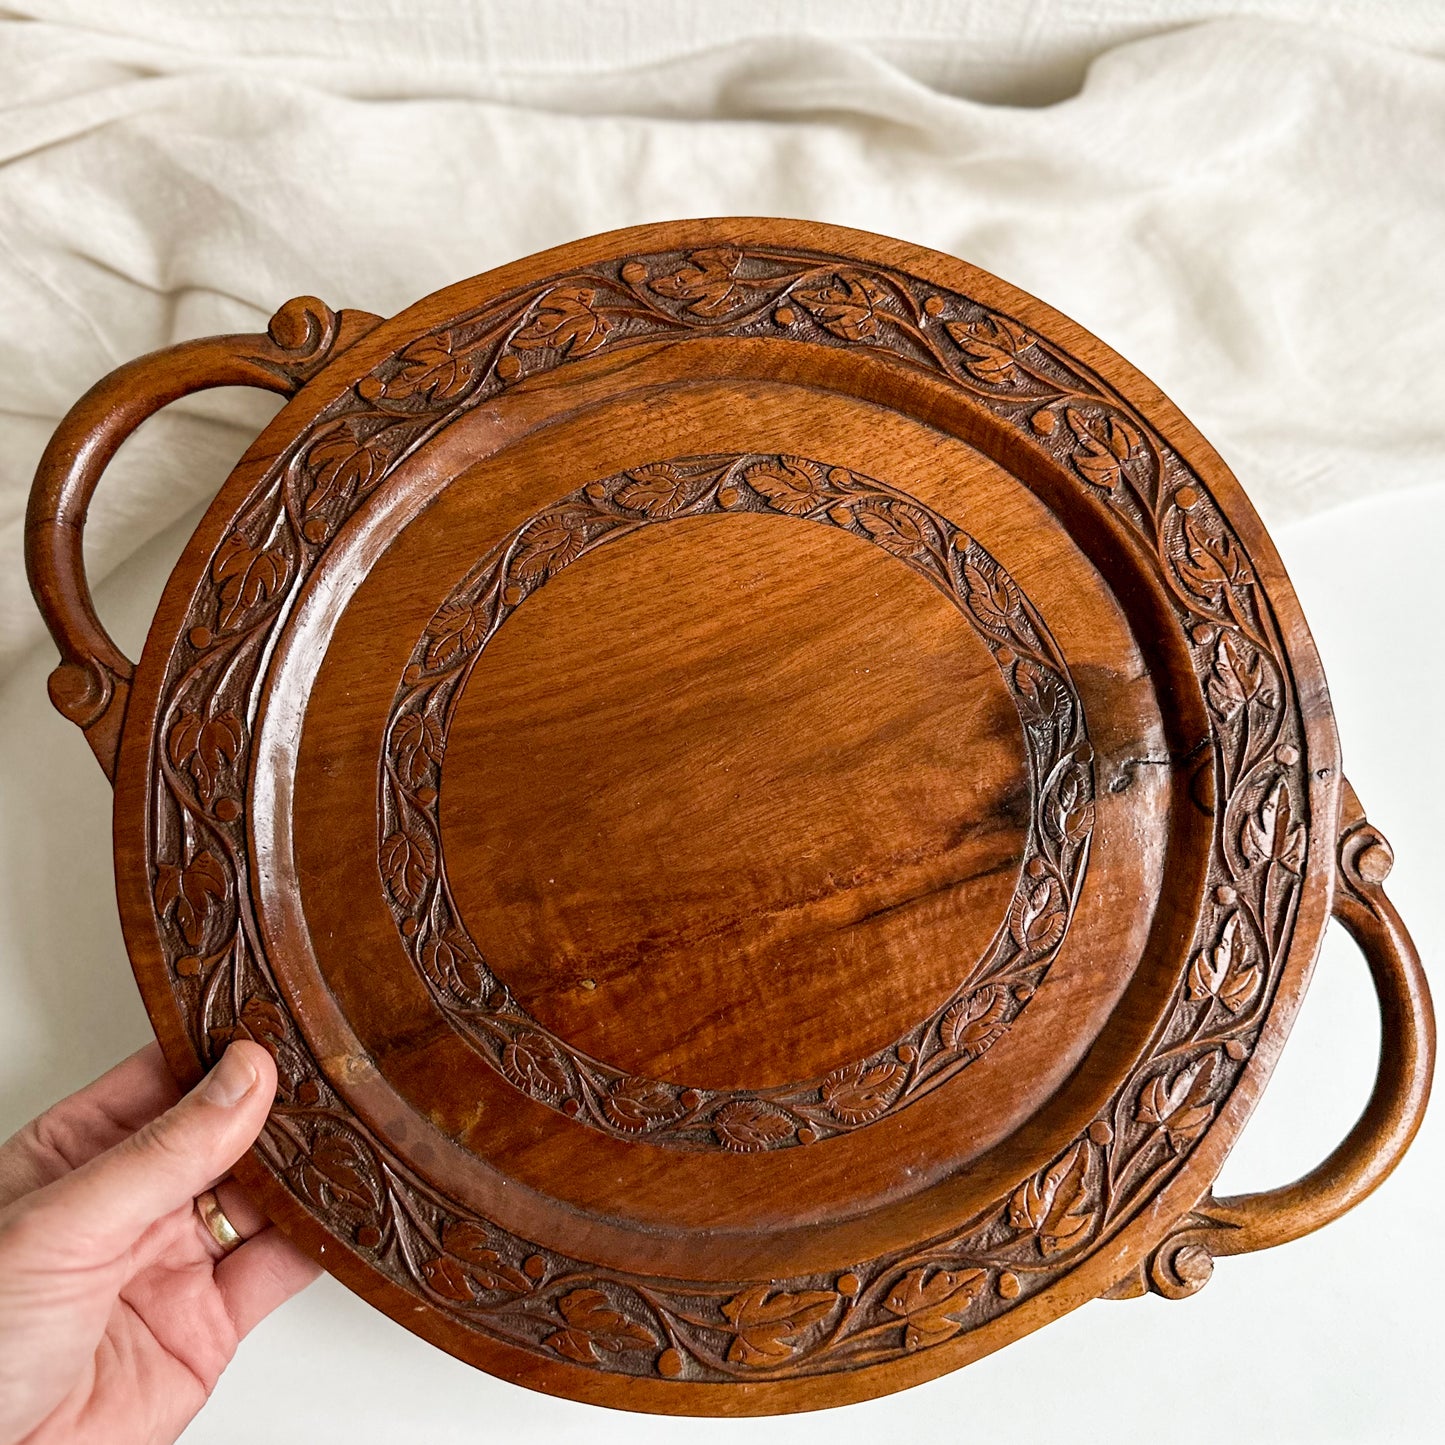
[(100, 1210)]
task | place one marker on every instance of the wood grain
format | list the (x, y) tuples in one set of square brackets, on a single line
[(770, 797)]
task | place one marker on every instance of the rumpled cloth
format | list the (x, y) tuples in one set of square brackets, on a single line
[(1251, 210)]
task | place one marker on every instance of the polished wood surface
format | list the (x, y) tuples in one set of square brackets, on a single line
[(626, 886), (770, 797)]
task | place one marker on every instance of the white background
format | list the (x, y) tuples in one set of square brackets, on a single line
[(1246, 210)]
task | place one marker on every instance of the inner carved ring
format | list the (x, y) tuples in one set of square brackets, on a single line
[(993, 990)]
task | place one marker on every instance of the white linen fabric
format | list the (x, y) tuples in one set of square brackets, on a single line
[(1250, 210)]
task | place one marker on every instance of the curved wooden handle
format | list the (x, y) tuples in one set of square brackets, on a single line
[(1392, 1117), (92, 683), (1184, 1261)]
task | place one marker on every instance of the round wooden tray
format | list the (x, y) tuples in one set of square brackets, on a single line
[(770, 797)]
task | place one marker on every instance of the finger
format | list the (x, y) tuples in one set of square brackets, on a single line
[(263, 1274), (132, 1093), (89, 1122), (104, 1207), (246, 1219)]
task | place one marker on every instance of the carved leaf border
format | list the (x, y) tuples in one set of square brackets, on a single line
[(1048, 401), (997, 986)]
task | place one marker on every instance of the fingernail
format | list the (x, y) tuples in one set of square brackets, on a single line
[(230, 1081)]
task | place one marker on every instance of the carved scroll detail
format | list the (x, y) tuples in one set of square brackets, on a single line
[(993, 990)]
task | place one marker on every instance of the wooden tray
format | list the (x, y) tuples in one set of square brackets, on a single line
[(769, 795)]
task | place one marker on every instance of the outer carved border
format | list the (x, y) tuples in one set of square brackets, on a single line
[(880, 1310)]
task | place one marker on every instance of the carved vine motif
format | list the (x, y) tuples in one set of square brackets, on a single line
[(838, 1319), (1023, 388), (993, 990)]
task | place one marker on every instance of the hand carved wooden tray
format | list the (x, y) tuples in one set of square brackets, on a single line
[(769, 795)]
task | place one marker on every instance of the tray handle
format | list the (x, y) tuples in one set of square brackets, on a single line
[(92, 682), (1381, 1135)]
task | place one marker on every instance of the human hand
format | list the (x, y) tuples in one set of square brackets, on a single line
[(118, 1310)]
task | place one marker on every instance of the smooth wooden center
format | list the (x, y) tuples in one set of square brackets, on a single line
[(733, 801)]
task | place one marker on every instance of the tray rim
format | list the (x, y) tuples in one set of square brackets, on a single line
[(1102, 1268)]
